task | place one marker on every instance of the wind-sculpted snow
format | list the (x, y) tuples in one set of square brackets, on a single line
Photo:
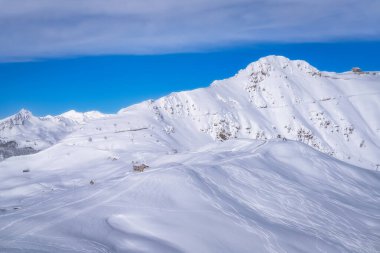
[(279, 158), (238, 196)]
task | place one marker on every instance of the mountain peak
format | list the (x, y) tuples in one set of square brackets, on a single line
[(278, 63), (24, 113), (71, 113), (81, 117), (18, 118), (274, 59)]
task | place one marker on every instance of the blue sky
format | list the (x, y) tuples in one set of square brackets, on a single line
[(108, 83), (105, 55)]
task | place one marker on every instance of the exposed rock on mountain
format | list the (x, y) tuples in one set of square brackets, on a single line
[(281, 157)]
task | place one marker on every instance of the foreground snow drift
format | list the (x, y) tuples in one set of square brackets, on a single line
[(235, 196)]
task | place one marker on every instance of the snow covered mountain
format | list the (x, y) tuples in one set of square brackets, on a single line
[(24, 133), (337, 114), (278, 154), (82, 117)]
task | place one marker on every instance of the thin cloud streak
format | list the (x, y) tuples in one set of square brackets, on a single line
[(45, 28)]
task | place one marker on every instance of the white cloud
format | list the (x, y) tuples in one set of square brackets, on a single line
[(49, 28)]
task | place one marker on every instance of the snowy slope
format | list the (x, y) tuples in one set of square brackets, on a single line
[(36, 133), (337, 114), (26, 133), (235, 196), (274, 97), (279, 158), (82, 117)]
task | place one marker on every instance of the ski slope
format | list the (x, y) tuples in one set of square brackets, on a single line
[(238, 196), (281, 157)]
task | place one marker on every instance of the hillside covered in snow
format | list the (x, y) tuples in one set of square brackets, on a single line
[(24, 133), (273, 98), (279, 154)]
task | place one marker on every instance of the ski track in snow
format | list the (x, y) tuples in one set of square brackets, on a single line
[(219, 178), (225, 187)]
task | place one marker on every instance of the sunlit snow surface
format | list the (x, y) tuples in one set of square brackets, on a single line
[(279, 158), (239, 196)]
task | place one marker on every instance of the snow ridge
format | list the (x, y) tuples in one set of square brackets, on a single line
[(281, 157), (272, 98)]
